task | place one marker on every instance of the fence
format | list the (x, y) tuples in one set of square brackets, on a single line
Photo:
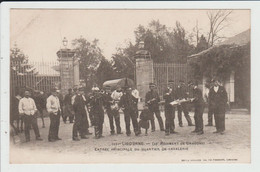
[(163, 72), (34, 75)]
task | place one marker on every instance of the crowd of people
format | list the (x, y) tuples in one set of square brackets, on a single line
[(86, 110)]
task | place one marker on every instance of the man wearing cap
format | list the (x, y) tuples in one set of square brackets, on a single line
[(27, 109), (81, 123), (96, 102), (128, 104), (218, 100), (112, 113), (181, 93), (54, 109), (68, 110), (40, 104), (199, 107), (169, 96), (152, 99)]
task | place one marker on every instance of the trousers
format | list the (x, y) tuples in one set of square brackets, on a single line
[(183, 108), (159, 118), (169, 119), (54, 125), (198, 117), (113, 115), (130, 115), (30, 120)]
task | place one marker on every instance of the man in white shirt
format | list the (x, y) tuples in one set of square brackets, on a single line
[(27, 109), (54, 109)]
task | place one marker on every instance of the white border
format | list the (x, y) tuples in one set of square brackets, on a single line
[(255, 63)]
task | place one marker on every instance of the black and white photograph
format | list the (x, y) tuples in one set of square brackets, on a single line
[(130, 85)]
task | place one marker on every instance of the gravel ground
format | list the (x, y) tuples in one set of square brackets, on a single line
[(183, 147)]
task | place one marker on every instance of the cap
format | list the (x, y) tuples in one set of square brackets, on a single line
[(95, 89), (152, 85)]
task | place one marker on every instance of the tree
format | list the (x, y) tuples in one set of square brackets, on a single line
[(202, 44), (90, 56), (218, 20), (165, 44)]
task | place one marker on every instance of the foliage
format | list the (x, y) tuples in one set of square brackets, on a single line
[(90, 56), (219, 61)]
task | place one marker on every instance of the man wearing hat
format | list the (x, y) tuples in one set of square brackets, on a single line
[(181, 93), (169, 96), (152, 99), (96, 102), (128, 104), (81, 123), (199, 107), (112, 113), (27, 109), (54, 109), (218, 100)]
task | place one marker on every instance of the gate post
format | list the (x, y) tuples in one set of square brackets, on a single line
[(67, 69), (144, 72)]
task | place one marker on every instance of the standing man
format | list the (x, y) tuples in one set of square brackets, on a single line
[(183, 107), (169, 96), (112, 112), (218, 100), (135, 93), (27, 109), (210, 107), (40, 104), (79, 103), (152, 99), (128, 105), (68, 109), (54, 109), (96, 102), (199, 108)]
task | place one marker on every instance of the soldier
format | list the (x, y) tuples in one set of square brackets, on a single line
[(112, 113), (152, 99), (54, 109), (169, 96), (68, 110), (128, 104), (182, 94), (210, 109), (79, 103), (27, 109), (199, 107), (96, 101), (218, 101)]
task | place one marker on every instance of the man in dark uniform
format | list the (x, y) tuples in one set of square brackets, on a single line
[(113, 112), (199, 107), (68, 110), (152, 99), (218, 100), (128, 104), (79, 103), (181, 93), (96, 102), (169, 96), (210, 109)]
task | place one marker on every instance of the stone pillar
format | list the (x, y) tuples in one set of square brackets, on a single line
[(144, 75), (67, 72), (76, 72)]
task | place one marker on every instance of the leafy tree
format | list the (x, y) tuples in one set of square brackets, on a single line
[(90, 56), (202, 44)]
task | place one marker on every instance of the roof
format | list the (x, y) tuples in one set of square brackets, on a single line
[(238, 40)]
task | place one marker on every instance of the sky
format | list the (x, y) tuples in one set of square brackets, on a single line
[(39, 33)]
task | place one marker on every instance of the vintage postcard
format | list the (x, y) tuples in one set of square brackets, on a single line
[(138, 85)]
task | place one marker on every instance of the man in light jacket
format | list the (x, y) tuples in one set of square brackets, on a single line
[(54, 110), (27, 109)]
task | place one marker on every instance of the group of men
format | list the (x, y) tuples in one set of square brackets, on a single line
[(80, 107)]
